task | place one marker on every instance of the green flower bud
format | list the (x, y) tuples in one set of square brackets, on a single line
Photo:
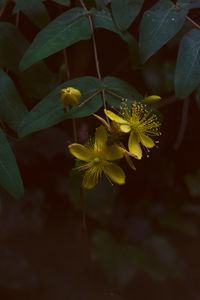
[(70, 97), (152, 99)]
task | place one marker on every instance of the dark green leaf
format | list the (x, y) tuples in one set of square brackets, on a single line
[(12, 46), (62, 2), (12, 109), (67, 29), (158, 26), (10, 177), (38, 80), (50, 112), (22, 4), (187, 74), (101, 4), (189, 3), (37, 13), (121, 88), (134, 55), (125, 11)]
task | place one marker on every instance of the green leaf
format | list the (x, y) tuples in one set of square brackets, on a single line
[(37, 81), (125, 11), (134, 55), (49, 111), (12, 46), (37, 13), (62, 2), (121, 88), (158, 26), (101, 4), (67, 29), (10, 177), (12, 109), (187, 74), (189, 3), (22, 4)]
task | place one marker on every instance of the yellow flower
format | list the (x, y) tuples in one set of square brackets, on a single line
[(70, 97), (151, 99), (141, 124), (97, 156)]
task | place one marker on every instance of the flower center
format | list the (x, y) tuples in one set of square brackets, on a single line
[(96, 160)]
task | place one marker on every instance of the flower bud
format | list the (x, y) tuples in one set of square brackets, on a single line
[(152, 99), (70, 97)]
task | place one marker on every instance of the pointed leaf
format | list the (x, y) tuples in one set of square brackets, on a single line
[(37, 13), (125, 11), (12, 109), (49, 111), (159, 25), (22, 4), (10, 177), (67, 29), (187, 74)]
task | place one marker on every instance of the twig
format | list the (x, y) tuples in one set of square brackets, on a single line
[(166, 101), (114, 94), (89, 98), (189, 19), (93, 41), (183, 125)]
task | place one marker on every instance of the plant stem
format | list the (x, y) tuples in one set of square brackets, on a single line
[(66, 62), (89, 98), (114, 94), (189, 19)]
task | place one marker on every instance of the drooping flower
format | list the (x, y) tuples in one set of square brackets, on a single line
[(142, 124), (97, 157), (70, 97)]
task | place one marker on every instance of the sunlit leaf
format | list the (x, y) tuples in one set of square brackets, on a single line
[(10, 177)]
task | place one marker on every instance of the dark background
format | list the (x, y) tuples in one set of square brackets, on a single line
[(142, 239)]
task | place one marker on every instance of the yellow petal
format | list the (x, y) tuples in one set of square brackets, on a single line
[(146, 141), (114, 117), (125, 128), (129, 161), (81, 152), (100, 138), (113, 152), (91, 177), (115, 173), (134, 145)]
